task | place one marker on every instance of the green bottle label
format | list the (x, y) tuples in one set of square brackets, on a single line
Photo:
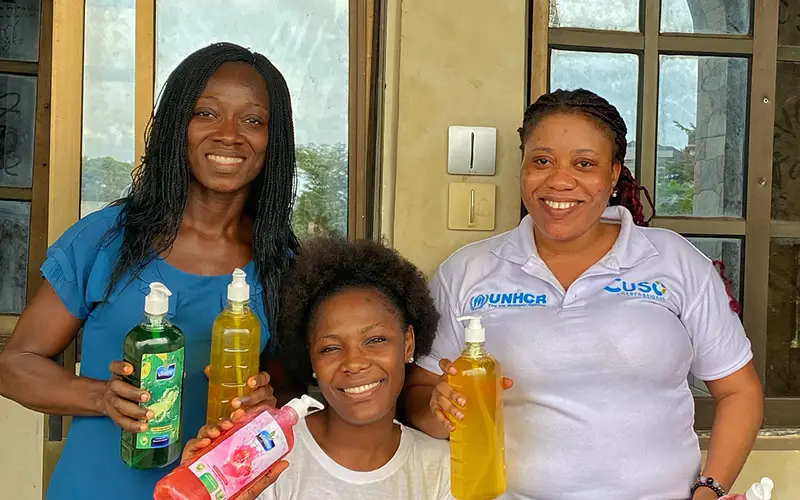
[(162, 377)]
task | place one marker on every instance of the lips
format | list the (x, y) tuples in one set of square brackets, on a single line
[(560, 205), (361, 388), (225, 160)]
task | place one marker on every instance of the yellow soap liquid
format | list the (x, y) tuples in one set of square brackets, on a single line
[(477, 446), (235, 349)]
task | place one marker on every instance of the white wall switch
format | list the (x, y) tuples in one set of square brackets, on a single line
[(471, 206)]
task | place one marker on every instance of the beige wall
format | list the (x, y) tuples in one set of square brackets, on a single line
[(462, 62)]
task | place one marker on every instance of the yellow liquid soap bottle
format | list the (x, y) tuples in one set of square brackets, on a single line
[(235, 349), (477, 446)]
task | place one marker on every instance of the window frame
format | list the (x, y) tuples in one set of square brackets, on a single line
[(755, 226)]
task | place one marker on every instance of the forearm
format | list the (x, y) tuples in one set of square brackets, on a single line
[(42, 385), (736, 424), (418, 411)]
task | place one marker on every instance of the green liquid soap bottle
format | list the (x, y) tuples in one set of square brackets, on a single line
[(235, 348), (155, 350)]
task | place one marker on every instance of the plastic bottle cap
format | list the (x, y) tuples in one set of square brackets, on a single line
[(474, 333), (302, 404), (157, 301), (239, 290), (761, 490)]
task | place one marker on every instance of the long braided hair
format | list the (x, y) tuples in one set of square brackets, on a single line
[(607, 116), (151, 214)]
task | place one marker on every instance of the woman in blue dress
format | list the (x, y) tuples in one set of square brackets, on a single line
[(217, 175)]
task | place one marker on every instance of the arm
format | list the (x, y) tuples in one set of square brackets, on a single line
[(30, 377), (417, 399), (736, 422)]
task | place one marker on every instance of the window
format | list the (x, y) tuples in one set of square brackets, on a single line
[(131, 47), (24, 150), (695, 82)]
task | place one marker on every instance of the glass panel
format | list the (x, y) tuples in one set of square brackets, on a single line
[(783, 319), (786, 153), (706, 16), (19, 30), (729, 252), (108, 80), (17, 120), (15, 221), (308, 42), (612, 15), (702, 113), (789, 23), (613, 76)]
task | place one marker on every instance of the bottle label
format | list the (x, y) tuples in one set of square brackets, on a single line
[(162, 377), (242, 457)]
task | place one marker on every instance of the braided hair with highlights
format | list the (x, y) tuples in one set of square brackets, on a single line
[(151, 214), (607, 116)]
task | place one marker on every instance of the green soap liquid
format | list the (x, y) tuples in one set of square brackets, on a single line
[(155, 350)]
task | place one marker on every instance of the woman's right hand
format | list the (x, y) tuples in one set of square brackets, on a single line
[(120, 400), (445, 401)]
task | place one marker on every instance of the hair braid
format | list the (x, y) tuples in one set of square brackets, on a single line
[(607, 116), (151, 214)]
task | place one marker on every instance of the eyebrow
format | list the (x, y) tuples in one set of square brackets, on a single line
[(361, 330), (248, 103), (550, 150)]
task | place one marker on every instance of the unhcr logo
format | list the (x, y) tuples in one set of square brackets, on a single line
[(518, 299)]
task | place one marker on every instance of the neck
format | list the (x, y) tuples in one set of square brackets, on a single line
[(594, 237), (212, 213), (360, 448)]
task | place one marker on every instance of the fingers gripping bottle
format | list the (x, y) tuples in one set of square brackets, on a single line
[(239, 457), (477, 446), (235, 347), (155, 350)]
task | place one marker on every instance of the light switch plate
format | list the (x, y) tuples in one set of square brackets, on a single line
[(471, 206), (471, 150)]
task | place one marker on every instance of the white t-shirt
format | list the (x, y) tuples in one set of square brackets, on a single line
[(419, 470), (600, 407)]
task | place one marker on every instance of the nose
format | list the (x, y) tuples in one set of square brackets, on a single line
[(355, 361), (228, 131), (560, 179)]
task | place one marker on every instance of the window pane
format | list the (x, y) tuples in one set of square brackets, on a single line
[(19, 30), (786, 153), (15, 221), (702, 113), (108, 80), (613, 15), (707, 16), (308, 42), (783, 320), (17, 119), (729, 252), (789, 23), (612, 76)]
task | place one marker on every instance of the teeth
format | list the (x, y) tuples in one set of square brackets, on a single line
[(361, 388), (560, 205), (227, 160)]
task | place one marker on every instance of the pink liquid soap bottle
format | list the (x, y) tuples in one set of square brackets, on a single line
[(761, 490), (239, 457)]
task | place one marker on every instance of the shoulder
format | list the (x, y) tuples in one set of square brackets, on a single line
[(432, 451), (475, 255), (89, 230), (675, 249)]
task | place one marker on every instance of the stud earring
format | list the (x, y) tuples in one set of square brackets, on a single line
[(614, 193), (314, 375), (410, 360)]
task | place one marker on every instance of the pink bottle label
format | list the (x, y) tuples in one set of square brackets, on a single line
[(241, 458)]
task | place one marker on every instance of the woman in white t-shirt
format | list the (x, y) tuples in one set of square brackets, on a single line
[(598, 321), (353, 317)]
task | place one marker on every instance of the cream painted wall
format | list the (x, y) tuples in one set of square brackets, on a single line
[(462, 62)]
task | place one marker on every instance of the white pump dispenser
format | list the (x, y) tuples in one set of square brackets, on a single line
[(474, 333), (761, 490), (302, 404), (238, 289), (157, 301)]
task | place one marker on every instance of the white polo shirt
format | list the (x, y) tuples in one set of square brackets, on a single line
[(600, 407)]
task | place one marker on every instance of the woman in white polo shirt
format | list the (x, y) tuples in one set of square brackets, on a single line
[(598, 321)]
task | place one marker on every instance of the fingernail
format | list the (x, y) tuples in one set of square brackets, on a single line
[(142, 427), (460, 415), (144, 397), (462, 401), (149, 415), (251, 382), (236, 403)]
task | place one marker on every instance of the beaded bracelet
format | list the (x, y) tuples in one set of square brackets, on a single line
[(708, 482)]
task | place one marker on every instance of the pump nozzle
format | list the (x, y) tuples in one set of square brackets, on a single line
[(157, 301), (761, 490), (239, 290), (474, 333), (302, 404)]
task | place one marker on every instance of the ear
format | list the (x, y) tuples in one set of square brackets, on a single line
[(616, 169), (409, 342)]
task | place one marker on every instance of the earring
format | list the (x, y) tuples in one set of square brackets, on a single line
[(410, 360), (314, 375), (614, 193)]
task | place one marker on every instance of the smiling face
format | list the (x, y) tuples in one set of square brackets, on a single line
[(358, 347), (568, 174), (227, 135)]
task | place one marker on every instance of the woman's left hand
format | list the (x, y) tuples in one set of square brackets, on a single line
[(261, 392)]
